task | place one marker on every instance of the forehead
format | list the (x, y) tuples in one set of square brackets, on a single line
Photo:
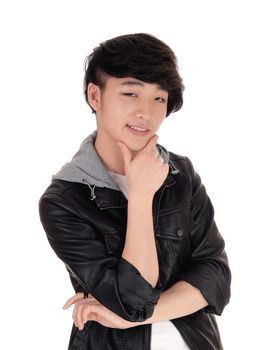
[(129, 81)]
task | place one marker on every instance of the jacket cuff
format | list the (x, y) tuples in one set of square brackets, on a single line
[(136, 290)]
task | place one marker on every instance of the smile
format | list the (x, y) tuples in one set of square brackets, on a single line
[(137, 130)]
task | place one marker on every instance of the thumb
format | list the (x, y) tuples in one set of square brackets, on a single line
[(125, 151)]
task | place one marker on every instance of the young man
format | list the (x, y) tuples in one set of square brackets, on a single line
[(132, 221)]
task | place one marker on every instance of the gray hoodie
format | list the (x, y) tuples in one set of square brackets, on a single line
[(87, 167)]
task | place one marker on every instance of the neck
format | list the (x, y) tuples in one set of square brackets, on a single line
[(109, 153)]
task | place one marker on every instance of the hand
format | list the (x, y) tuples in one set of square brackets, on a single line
[(90, 309), (146, 171)]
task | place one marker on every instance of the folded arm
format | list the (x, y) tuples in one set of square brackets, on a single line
[(181, 299), (205, 281), (114, 282)]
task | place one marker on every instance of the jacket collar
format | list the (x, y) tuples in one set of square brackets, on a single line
[(106, 198), (87, 167)]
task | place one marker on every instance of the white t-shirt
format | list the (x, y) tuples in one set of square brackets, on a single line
[(164, 335)]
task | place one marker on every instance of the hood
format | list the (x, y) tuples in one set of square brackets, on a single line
[(87, 167)]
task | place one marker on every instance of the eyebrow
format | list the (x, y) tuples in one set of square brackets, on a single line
[(139, 83)]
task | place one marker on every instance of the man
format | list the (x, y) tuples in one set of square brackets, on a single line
[(132, 221)]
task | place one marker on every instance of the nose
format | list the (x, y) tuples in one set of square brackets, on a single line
[(144, 111)]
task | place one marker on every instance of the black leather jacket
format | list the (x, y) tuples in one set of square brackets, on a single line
[(86, 229)]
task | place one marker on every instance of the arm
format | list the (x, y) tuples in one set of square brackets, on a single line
[(205, 283), (113, 281), (181, 299), (140, 247), (208, 268)]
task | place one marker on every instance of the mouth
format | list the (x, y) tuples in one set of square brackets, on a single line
[(137, 130)]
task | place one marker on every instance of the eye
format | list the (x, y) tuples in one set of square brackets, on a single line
[(128, 93), (162, 99)]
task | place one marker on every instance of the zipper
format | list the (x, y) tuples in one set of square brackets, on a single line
[(77, 278)]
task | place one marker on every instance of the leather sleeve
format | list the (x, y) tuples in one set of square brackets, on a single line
[(208, 268), (114, 282)]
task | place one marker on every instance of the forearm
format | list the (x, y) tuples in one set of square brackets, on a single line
[(140, 248), (179, 300)]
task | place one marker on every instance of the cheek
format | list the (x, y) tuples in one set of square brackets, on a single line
[(161, 114), (124, 106)]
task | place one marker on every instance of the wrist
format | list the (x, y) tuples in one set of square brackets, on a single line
[(129, 324), (136, 195)]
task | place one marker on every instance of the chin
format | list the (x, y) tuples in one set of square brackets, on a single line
[(136, 148)]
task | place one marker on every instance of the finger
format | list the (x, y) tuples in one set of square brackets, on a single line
[(74, 314), (125, 151), (80, 311), (151, 144), (161, 159), (72, 300), (89, 313), (80, 314), (91, 298), (156, 152), (84, 312)]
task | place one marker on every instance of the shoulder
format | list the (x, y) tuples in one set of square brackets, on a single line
[(182, 163), (177, 159), (64, 196), (60, 187)]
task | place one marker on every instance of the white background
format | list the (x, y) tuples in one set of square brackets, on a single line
[(44, 119)]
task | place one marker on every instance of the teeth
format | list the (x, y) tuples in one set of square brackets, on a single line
[(136, 128)]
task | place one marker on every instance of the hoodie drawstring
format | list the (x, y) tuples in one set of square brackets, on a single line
[(174, 171), (92, 189)]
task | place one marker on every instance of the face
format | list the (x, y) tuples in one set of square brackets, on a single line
[(128, 102)]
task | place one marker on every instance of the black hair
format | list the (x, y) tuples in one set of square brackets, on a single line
[(141, 56)]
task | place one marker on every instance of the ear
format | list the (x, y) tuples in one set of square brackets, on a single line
[(94, 96)]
